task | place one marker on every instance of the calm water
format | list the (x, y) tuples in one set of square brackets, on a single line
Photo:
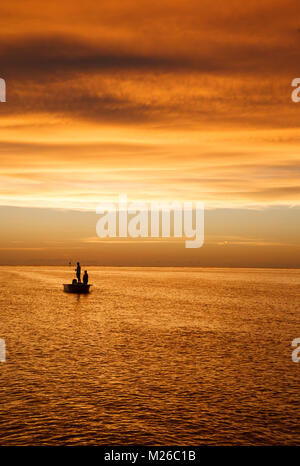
[(155, 356)]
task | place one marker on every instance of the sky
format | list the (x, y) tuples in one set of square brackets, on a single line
[(161, 100)]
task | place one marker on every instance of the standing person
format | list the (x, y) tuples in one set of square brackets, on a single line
[(78, 272), (85, 277)]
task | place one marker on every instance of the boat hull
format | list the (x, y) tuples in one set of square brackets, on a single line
[(77, 288)]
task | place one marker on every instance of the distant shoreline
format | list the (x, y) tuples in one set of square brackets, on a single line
[(156, 266)]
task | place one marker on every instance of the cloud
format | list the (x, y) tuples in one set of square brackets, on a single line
[(51, 56), (165, 99)]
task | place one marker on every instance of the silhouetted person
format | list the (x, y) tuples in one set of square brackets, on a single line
[(85, 277), (78, 272)]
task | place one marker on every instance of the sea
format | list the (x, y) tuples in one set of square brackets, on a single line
[(152, 356)]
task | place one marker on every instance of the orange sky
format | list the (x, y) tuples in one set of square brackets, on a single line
[(159, 100)]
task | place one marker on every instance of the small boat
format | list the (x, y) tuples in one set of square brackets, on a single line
[(79, 288)]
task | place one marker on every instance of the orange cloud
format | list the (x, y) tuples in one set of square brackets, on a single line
[(161, 100)]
